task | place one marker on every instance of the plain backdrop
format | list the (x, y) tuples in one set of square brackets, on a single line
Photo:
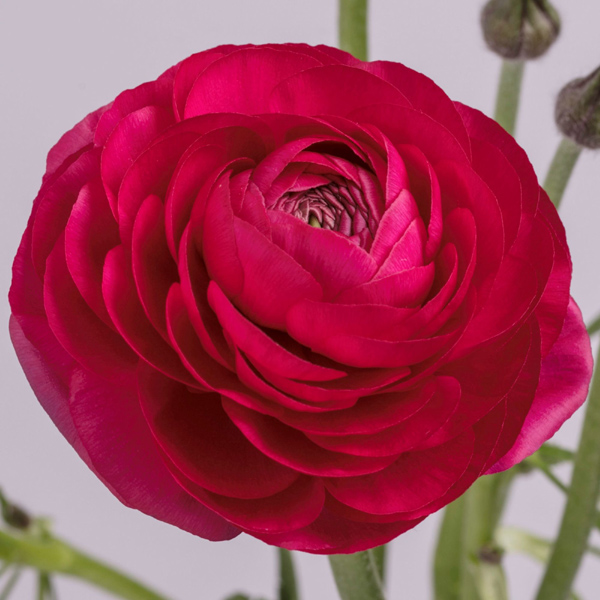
[(60, 59)]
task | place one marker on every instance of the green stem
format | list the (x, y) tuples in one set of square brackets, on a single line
[(580, 511), (288, 589), (10, 585), (509, 92), (561, 168), (353, 27), (356, 576), (468, 528), (449, 557), (55, 556), (380, 558)]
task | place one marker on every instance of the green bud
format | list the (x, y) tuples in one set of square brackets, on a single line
[(520, 29), (578, 110)]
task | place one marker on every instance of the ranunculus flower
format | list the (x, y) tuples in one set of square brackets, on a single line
[(282, 291)]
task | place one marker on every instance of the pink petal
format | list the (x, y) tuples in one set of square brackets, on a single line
[(423, 94), (342, 90), (563, 387), (75, 324), (500, 175), (293, 508), (152, 93), (408, 126), (394, 223), (194, 286), (412, 481), (401, 437), (273, 281), (366, 353), (90, 233), (369, 414), (334, 534), (73, 142), (182, 337), (259, 347), (293, 449), (332, 259), (128, 316), (425, 187), (200, 439), (53, 206), (553, 304), (338, 393), (128, 140), (189, 70), (153, 268), (242, 81), (407, 252), (144, 179), (481, 127), (312, 323), (113, 423), (219, 245), (405, 289)]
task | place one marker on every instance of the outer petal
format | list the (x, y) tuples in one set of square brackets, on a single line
[(114, 426), (563, 387)]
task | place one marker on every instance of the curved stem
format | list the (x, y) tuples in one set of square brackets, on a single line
[(356, 576), (509, 93), (55, 556), (580, 512), (288, 589), (561, 168), (353, 27)]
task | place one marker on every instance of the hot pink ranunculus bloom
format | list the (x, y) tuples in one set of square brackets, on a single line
[(285, 292)]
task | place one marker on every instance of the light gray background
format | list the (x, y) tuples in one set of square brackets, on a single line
[(63, 58)]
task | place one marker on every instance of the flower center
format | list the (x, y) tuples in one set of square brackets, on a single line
[(339, 205)]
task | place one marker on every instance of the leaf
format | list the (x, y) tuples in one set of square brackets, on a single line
[(512, 539), (552, 455)]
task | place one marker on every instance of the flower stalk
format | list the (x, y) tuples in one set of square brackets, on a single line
[(380, 558), (580, 512), (467, 532), (561, 168), (353, 27), (357, 576), (288, 588), (52, 555), (509, 94)]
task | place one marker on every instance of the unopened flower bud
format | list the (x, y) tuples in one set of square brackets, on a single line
[(13, 515), (519, 29), (578, 110)]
